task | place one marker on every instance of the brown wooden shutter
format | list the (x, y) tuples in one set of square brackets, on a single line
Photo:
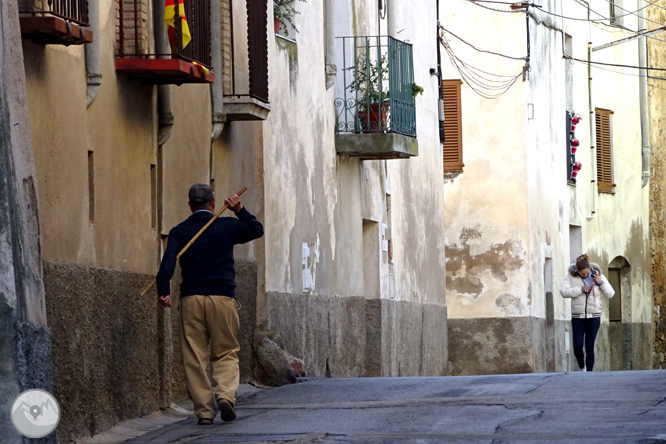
[(453, 156), (257, 42), (604, 150)]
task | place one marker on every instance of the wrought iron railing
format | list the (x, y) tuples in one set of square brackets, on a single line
[(132, 29), (75, 11), (376, 89), (253, 54)]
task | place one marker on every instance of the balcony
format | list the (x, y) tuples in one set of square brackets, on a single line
[(375, 98), (60, 22), (189, 64), (245, 55)]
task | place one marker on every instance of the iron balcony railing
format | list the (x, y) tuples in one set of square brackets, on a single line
[(377, 90), (132, 36), (75, 11)]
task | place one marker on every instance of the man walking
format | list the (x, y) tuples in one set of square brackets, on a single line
[(208, 305)]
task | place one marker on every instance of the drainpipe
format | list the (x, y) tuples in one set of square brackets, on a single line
[(593, 149), (216, 91), (93, 65), (391, 9), (643, 95), (164, 116), (440, 84), (330, 67)]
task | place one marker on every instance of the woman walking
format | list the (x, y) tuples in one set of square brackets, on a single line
[(586, 286)]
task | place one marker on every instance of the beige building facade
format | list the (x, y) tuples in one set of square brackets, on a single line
[(349, 272), (515, 219)]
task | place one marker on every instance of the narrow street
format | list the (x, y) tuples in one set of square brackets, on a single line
[(590, 408)]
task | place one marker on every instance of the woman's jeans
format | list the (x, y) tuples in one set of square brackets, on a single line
[(585, 333)]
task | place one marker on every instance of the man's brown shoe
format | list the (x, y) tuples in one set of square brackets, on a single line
[(205, 421), (226, 408)]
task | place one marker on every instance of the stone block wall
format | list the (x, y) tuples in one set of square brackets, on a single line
[(116, 355), (352, 336), (657, 104)]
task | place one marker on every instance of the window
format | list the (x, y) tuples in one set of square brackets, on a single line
[(452, 146), (604, 150)]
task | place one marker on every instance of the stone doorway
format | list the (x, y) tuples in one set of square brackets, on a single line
[(619, 314)]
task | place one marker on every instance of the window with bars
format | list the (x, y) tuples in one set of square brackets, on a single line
[(452, 146), (604, 129)]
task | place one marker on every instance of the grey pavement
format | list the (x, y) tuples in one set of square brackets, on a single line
[(590, 408)]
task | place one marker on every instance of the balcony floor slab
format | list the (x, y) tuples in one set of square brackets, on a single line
[(50, 29), (377, 145), (163, 71)]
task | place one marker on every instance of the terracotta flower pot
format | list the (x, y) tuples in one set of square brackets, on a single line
[(276, 25), (374, 120)]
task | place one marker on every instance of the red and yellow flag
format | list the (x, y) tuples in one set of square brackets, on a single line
[(169, 18)]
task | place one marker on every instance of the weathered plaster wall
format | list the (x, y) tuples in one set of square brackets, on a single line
[(486, 205), (337, 205), (657, 95), (25, 341), (124, 349), (517, 270)]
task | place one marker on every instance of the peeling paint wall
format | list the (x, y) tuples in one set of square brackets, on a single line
[(508, 215), (339, 205), (298, 187), (104, 257)]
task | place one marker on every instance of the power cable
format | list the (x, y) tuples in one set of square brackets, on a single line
[(485, 87), (482, 50), (595, 21), (617, 65), (632, 13)]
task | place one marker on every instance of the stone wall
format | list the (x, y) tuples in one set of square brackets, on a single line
[(657, 101), (116, 355), (352, 336)]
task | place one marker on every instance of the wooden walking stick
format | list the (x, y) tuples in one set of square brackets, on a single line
[(196, 236)]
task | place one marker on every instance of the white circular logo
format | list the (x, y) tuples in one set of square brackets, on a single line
[(35, 413)]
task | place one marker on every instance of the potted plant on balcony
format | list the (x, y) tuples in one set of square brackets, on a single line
[(284, 12), (372, 104), (372, 97)]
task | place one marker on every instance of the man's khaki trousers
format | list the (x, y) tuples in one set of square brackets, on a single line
[(214, 319)]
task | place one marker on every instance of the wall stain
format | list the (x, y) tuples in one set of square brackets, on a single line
[(509, 304), (464, 268)]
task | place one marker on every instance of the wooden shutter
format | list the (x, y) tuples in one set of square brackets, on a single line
[(604, 150), (453, 158)]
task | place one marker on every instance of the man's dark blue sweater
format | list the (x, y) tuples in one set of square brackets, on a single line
[(208, 265)]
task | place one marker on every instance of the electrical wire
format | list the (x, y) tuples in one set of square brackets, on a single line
[(510, 11), (481, 50), (633, 13), (599, 20), (617, 65), (490, 88), (596, 21), (650, 85)]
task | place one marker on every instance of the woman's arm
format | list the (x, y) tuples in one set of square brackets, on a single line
[(605, 287), (568, 291)]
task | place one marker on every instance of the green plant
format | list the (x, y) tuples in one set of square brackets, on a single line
[(284, 12), (366, 81), (416, 90), (367, 74)]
